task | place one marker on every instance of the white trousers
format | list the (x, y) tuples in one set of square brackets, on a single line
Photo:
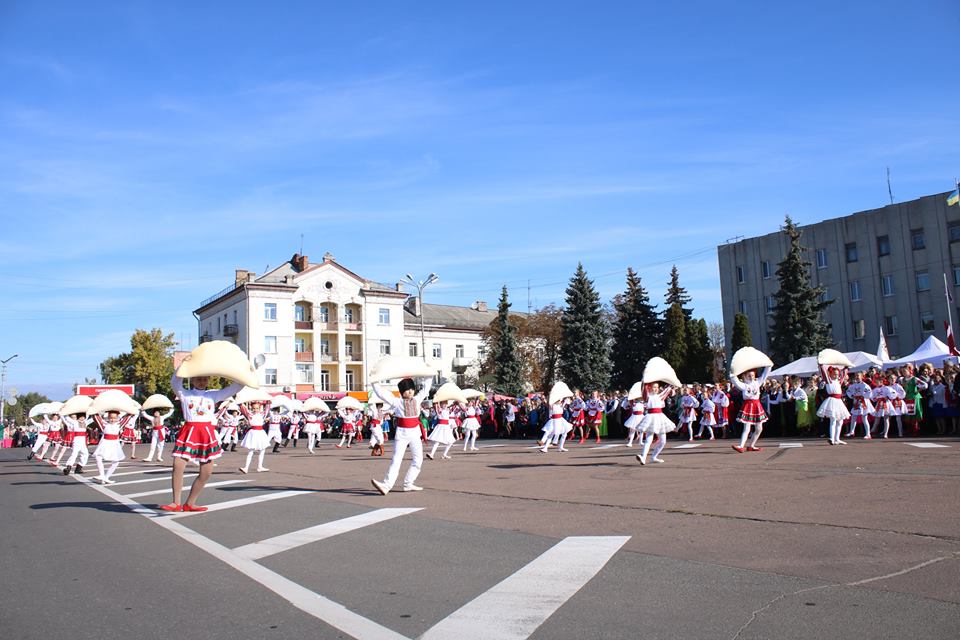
[(376, 436), (41, 440), (405, 438), (79, 455), (470, 439), (228, 435), (156, 443), (274, 435)]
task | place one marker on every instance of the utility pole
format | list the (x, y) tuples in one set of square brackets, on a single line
[(421, 285), (3, 385)]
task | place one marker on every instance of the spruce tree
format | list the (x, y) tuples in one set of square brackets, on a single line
[(585, 351), (636, 332), (797, 329), (678, 295), (700, 356), (741, 333), (508, 368), (676, 319)]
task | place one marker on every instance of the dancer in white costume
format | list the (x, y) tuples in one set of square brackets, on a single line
[(351, 425), (409, 432), (888, 400), (752, 413), (860, 393), (655, 424), (721, 401), (688, 411), (274, 430), (110, 449), (832, 408), (442, 432), (376, 428), (158, 432), (77, 424), (557, 427), (44, 426), (255, 440), (632, 423), (470, 426), (228, 421), (312, 428), (708, 417)]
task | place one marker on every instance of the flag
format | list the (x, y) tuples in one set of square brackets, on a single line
[(953, 198), (882, 352), (951, 343)]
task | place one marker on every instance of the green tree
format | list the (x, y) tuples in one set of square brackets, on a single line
[(585, 351), (636, 332), (741, 333), (677, 317), (19, 412), (542, 335), (148, 365), (797, 329), (508, 366), (700, 356)]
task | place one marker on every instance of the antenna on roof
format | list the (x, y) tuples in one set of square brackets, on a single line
[(301, 244), (889, 189)]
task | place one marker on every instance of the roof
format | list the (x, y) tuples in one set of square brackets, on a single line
[(450, 317)]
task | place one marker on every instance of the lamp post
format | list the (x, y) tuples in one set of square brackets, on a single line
[(3, 384), (421, 285)]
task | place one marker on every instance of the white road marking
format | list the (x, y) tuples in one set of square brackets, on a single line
[(790, 445), (132, 473), (242, 502), (689, 445), (160, 491), (165, 478), (513, 609), (278, 544), (927, 445), (609, 446), (490, 446)]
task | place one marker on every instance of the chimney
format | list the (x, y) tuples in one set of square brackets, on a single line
[(299, 262), (328, 257), (413, 305), (480, 305), (242, 276), (399, 286)]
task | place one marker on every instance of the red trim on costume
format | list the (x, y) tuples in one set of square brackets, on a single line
[(408, 423), (111, 436)]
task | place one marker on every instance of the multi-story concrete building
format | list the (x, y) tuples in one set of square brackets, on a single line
[(882, 268), (321, 326)]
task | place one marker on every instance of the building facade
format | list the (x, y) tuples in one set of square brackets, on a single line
[(897, 267), (321, 327)]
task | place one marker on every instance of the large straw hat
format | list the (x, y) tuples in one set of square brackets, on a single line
[(832, 357), (76, 404), (157, 401), (659, 370), (315, 404), (296, 405), (53, 408), (249, 394), (636, 391), (39, 409), (349, 402), (219, 358), (114, 400), (559, 392), (470, 394), (747, 359), (282, 401), (393, 367), (449, 392)]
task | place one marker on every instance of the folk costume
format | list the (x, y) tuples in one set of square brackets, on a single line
[(158, 433), (409, 433), (752, 414)]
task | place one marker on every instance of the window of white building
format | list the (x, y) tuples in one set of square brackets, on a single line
[(437, 351), (859, 329), (304, 373), (269, 344), (458, 351), (270, 311), (384, 316), (412, 350), (886, 285), (270, 376), (855, 295), (821, 258), (384, 347), (324, 380), (926, 321)]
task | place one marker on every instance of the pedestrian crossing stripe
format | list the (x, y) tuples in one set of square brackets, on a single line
[(791, 445), (690, 445), (927, 445)]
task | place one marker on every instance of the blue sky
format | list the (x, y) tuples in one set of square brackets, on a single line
[(148, 149)]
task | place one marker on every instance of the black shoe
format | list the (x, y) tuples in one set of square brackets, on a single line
[(66, 471), (233, 447), (276, 447), (294, 444), (30, 456), (285, 443), (78, 470)]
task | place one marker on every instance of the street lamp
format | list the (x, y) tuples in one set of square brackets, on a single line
[(3, 384), (421, 285)]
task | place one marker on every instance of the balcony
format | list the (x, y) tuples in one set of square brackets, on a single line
[(354, 357), (328, 357), (230, 330), (205, 338), (351, 326), (319, 325), (303, 325), (303, 356), (461, 362)]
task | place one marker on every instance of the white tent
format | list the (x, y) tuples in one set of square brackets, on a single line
[(931, 351), (806, 367)]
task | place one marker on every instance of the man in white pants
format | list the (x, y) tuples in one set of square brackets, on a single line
[(409, 432), (41, 444), (158, 432), (77, 424)]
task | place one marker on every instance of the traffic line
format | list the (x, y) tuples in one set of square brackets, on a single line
[(166, 478), (288, 541), (133, 473), (160, 491), (609, 446), (689, 445), (242, 502), (490, 446), (513, 609), (790, 445), (927, 445)]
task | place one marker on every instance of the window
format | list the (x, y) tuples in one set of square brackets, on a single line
[(299, 345), (953, 231), (224, 319), (765, 269), (890, 325), (270, 311), (437, 379), (269, 344), (926, 321), (850, 249), (742, 305), (325, 346), (770, 304), (883, 245), (886, 285), (825, 294), (324, 380), (956, 275), (234, 316), (270, 376), (458, 351), (300, 314), (305, 373), (325, 314), (384, 347), (821, 258), (481, 352), (917, 239), (859, 329), (348, 315), (923, 281), (437, 351), (218, 324), (740, 274), (349, 380), (348, 348), (384, 316), (412, 350), (855, 291)]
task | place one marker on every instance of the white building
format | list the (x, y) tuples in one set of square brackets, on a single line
[(321, 326)]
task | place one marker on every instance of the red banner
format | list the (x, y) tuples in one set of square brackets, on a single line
[(94, 390)]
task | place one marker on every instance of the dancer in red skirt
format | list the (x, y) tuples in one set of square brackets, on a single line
[(752, 413)]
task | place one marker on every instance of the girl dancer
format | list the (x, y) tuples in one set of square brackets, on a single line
[(595, 408), (129, 436), (708, 416), (77, 424), (722, 402), (632, 423), (255, 440), (376, 428), (470, 426), (655, 424), (556, 428), (442, 432), (44, 427), (688, 411), (752, 413), (832, 408), (409, 432), (578, 416), (274, 432), (351, 422), (228, 420), (110, 448), (312, 428), (860, 392), (889, 402), (158, 432)]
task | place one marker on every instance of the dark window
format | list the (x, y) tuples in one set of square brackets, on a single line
[(851, 251), (883, 245), (917, 239), (953, 230)]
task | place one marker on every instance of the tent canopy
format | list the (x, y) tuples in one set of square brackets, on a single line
[(806, 367), (932, 351)]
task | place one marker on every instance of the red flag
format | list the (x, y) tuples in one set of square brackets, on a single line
[(951, 343)]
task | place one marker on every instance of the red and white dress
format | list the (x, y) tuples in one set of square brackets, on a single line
[(255, 439), (632, 423), (708, 417), (470, 422), (197, 439), (443, 430), (556, 426), (110, 447), (752, 411), (351, 418), (832, 407), (655, 420), (722, 402)]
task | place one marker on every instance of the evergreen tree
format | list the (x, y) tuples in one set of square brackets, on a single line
[(700, 356), (636, 332), (798, 328), (678, 295), (741, 333), (508, 369), (585, 351), (676, 321)]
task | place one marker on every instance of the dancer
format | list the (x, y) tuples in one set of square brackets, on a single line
[(351, 420), (655, 424), (557, 427), (42, 443), (312, 428), (274, 430), (708, 416), (752, 414), (55, 437), (77, 424), (632, 423), (158, 435), (578, 416), (409, 432), (721, 400), (860, 392), (688, 411), (442, 432), (255, 440), (228, 419), (376, 428), (129, 436), (832, 408), (889, 403), (470, 426), (110, 448)]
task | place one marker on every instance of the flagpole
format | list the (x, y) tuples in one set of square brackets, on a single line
[(949, 298)]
